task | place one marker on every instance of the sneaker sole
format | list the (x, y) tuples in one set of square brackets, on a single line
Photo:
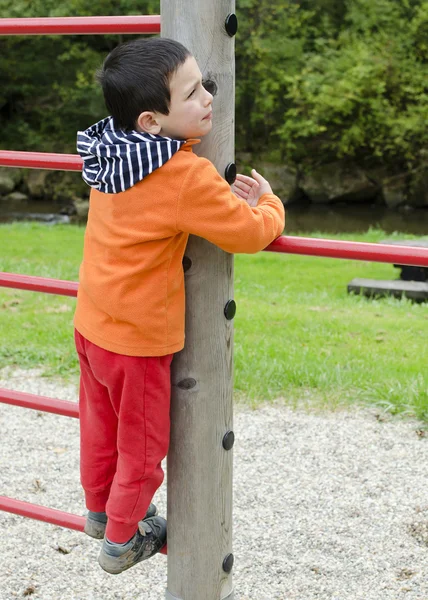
[(111, 566), (149, 546)]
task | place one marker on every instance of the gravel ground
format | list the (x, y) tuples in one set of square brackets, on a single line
[(328, 506)]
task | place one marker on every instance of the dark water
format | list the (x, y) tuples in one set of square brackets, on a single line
[(323, 218), (42, 212), (356, 219)]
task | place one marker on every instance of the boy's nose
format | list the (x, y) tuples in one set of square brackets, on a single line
[(208, 98)]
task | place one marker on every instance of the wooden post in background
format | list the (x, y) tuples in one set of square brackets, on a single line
[(199, 472)]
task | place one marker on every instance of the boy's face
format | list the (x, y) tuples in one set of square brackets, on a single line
[(190, 114)]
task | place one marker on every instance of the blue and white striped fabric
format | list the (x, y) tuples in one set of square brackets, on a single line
[(115, 160)]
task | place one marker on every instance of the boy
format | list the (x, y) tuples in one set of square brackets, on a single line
[(149, 192)]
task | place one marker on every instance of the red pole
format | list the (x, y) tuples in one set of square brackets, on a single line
[(402, 255), (40, 160), (42, 513), (80, 25), (45, 514), (39, 284), (50, 405)]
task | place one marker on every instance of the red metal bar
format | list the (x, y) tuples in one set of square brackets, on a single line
[(40, 160), (43, 403), (45, 514), (81, 25), (42, 513), (403, 255), (39, 284)]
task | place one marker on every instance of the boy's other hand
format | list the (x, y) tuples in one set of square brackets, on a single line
[(251, 189)]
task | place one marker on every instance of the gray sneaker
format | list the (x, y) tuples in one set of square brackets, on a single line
[(95, 525), (148, 540)]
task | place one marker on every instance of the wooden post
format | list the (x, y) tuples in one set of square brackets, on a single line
[(199, 471)]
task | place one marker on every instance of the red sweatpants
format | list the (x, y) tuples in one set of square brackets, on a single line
[(124, 433)]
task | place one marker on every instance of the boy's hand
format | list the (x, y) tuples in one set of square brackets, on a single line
[(250, 189)]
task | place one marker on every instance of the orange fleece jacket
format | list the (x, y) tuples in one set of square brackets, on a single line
[(131, 292)]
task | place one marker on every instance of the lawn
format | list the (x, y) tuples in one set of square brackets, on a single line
[(298, 334)]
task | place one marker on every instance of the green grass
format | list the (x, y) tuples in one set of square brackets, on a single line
[(36, 329), (298, 334)]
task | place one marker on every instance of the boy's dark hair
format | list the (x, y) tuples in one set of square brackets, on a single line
[(135, 77)]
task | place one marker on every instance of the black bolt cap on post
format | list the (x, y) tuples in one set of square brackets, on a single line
[(231, 24), (228, 563), (230, 309), (228, 440), (230, 173)]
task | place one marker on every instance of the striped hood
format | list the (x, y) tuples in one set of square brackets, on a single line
[(115, 160)]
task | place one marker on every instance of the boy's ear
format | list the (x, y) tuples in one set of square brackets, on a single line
[(148, 123)]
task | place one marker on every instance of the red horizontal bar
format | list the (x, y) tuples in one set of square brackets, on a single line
[(43, 403), (81, 25), (39, 284), (45, 514), (402, 255), (42, 513), (40, 160), (393, 254)]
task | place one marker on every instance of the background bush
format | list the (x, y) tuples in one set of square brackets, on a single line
[(316, 79)]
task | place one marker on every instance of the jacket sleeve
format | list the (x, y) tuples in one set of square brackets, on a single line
[(207, 208)]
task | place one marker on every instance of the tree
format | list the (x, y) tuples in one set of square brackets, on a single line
[(49, 90), (316, 81)]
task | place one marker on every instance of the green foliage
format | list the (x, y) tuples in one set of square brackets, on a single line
[(50, 90), (337, 78), (364, 94), (316, 81)]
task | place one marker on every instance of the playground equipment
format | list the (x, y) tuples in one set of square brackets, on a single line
[(200, 558)]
